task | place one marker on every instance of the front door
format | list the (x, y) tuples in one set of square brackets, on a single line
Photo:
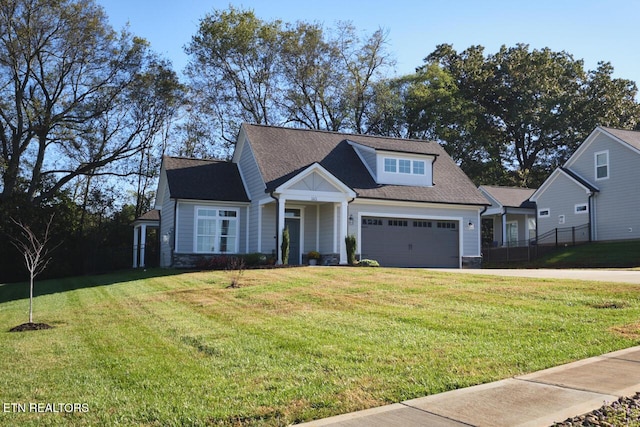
[(294, 240)]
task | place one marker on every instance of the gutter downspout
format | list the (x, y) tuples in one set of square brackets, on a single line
[(277, 222), (592, 216), (432, 169), (503, 219)]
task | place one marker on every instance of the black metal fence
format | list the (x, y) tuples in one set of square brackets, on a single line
[(529, 250)]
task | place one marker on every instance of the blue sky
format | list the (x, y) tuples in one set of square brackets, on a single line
[(590, 30)]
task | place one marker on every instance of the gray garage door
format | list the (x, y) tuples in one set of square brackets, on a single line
[(402, 242)]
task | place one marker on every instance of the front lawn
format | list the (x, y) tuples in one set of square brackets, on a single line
[(290, 345)]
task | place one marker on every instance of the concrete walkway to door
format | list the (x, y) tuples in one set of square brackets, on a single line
[(596, 274)]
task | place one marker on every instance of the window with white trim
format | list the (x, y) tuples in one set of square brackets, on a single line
[(512, 232), (418, 167), (561, 219), (404, 166), (216, 230), (602, 164), (581, 208), (390, 165), (544, 213)]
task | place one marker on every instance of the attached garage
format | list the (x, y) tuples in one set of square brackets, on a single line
[(408, 242)]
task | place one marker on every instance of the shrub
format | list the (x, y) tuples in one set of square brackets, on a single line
[(231, 262), (285, 246), (351, 243), (255, 259), (368, 263), (313, 255)]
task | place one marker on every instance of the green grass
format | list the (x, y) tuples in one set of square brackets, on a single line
[(290, 345), (621, 254)]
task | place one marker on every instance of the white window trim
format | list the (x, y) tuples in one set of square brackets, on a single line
[(547, 215), (580, 205), (395, 162), (217, 218), (411, 166), (562, 219), (595, 165)]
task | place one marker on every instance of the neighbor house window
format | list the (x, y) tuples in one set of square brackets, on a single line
[(216, 230), (581, 208), (512, 232), (602, 164), (544, 213)]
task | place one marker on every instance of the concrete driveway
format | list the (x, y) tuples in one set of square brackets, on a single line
[(601, 275)]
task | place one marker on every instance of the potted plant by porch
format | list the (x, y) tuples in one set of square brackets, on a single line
[(313, 257)]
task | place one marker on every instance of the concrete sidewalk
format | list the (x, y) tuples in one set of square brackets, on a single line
[(537, 399), (592, 274)]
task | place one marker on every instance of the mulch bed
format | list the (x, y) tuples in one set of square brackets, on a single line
[(30, 327)]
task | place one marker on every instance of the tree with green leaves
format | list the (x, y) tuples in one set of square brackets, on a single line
[(245, 69), (513, 116), (77, 99)]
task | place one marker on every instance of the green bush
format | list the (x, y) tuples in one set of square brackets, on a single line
[(369, 263), (285, 246), (255, 259), (351, 243)]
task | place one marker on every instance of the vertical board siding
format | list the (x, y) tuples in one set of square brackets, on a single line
[(327, 213), (310, 215)]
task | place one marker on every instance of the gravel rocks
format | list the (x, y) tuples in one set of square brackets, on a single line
[(623, 412)]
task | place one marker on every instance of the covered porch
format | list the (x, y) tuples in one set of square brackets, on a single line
[(148, 220), (314, 207)]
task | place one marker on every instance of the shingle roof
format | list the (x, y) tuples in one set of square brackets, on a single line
[(204, 179), (578, 178), (281, 153), (511, 197), (152, 215), (629, 136)]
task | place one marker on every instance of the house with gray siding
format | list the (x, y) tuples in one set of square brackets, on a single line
[(511, 216), (595, 195), (406, 202)]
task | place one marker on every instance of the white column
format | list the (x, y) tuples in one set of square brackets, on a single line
[(143, 241), (343, 232), (135, 246), (281, 203), (503, 218)]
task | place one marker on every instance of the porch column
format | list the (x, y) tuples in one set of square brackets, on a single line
[(135, 246), (503, 217), (344, 206), (281, 203), (143, 241)]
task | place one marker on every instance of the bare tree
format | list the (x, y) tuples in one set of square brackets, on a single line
[(35, 251)]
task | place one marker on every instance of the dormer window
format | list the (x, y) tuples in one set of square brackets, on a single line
[(405, 169), (414, 168), (406, 166), (390, 165)]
